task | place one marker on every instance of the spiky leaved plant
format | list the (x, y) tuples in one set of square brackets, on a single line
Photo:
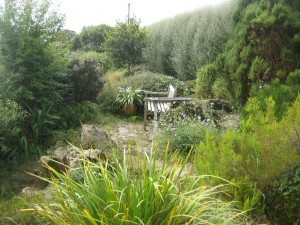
[(136, 191), (128, 98)]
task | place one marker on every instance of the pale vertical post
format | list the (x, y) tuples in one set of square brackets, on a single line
[(155, 114)]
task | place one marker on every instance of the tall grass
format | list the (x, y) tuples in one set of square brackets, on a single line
[(136, 191)]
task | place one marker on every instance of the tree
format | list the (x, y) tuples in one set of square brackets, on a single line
[(91, 38), (265, 47), (35, 64), (86, 75), (125, 44)]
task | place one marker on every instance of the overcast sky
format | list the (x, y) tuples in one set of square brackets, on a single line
[(80, 13)]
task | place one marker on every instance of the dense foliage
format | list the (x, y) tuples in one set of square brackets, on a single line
[(204, 82), (11, 118), (245, 51), (33, 73), (86, 75), (34, 64), (257, 154), (282, 198), (181, 45), (92, 38), (265, 47), (125, 44), (140, 80), (135, 191)]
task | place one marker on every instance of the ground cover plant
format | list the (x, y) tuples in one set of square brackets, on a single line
[(134, 191), (282, 198), (256, 155)]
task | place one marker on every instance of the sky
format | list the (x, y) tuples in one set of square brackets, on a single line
[(80, 13)]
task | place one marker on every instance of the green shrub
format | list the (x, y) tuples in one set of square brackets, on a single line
[(107, 100), (107, 97), (185, 113), (86, 75), (205, 81), (150, 81), (219, 89), (283, 93), (283, 197), (258, 153), (13, 211), (184, 127), (73, 116), (186, 137), (136, 191), (12, 118)]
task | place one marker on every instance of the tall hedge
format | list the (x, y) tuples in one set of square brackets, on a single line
[(183, 44)]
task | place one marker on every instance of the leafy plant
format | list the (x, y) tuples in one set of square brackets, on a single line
[(129, 97), (72, 116), (35, 73), (136, 191), (184, 127), (283, 94), (283, 198), (258, 153), (186, 137), (40, 120), (12, 139), (125, 43), (86, 75), (205, 81), (147, 80)]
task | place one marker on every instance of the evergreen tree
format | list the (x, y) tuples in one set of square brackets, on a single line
[(125, 44), (265, 46), (92, 38)]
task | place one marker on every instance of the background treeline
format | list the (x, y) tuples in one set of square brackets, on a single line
[(181, 45), (239, 50)]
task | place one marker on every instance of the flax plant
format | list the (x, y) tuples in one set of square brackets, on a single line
[(136, 190)]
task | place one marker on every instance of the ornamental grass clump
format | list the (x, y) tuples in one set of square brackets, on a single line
[(137, 191)]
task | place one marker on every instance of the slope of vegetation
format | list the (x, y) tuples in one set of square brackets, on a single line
[(241, 59)]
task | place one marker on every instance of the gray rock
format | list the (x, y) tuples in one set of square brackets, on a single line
[(96, 138)]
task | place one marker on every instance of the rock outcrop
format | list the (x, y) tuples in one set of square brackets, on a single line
[(96, 145)]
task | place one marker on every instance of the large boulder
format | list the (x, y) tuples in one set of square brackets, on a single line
[(96, 145), (74, 155), (96, 138), (46, 161)]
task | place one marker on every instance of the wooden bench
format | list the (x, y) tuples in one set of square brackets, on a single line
[(160, 104)]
